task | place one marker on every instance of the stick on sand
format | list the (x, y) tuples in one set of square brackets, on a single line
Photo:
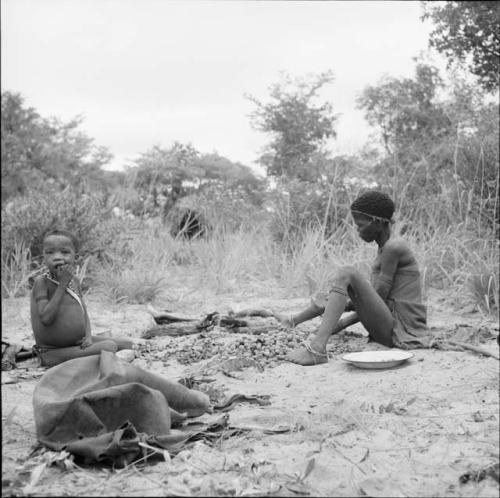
[(476, 349)]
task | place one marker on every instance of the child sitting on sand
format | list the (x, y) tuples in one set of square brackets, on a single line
[(389, 307), (59, 316)]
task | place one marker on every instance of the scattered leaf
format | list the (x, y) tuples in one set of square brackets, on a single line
[(309, 468), (478, 417), (36, 474), (10, 417), (300, 489), (365, 455)]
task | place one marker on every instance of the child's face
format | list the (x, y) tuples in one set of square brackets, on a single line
[(58, 250), (368, 228)]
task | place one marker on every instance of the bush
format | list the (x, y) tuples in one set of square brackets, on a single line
[(26, 219), (215, 208)]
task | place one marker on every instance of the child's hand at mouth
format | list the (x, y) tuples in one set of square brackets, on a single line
[(64, 274)]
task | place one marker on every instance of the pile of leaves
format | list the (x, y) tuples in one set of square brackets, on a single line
[(266, 349)]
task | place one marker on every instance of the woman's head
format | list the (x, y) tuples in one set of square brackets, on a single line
[(375, 204), (372, 212)]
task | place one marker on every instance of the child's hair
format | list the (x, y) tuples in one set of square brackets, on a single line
[(64, 233), (375, 204)]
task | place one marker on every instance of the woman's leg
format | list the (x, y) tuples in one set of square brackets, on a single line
[(52, 357), (120, 342), (370, 308), (312, 311)]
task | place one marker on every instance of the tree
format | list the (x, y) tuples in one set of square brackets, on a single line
[(223, 175), (162, 172), (298, 124), (412, 123), (38, 152), (405, 110), (441, 160), (468, 29), (163, 176)]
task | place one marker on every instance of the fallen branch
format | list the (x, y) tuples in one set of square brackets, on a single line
[(173, 330), (232, 324), (476, 349)]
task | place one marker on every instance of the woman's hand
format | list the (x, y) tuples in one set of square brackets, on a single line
[(349, 306)]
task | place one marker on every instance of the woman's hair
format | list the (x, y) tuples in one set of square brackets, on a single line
[(64, 233), (375, 204)]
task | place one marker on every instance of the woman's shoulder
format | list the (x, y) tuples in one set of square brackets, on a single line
[(397, 244), (399, 247)]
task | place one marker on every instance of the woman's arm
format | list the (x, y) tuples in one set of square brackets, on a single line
[(389, 261)]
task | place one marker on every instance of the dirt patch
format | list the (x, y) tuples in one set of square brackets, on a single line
[(409, 431)]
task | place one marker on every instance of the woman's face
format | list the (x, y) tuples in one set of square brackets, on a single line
[(368, 228), (58, 250)]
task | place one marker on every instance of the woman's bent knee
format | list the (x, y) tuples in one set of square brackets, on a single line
[(344, 276)]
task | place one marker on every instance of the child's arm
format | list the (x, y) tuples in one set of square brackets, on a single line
[(388, 265), (48, 308), (87, 340)]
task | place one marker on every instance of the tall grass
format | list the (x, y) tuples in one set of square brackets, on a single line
[(16, 270), (139, 269), (454, 255), (227, 261), (136, 270)]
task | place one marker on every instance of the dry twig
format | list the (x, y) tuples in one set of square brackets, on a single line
[(476, 349)]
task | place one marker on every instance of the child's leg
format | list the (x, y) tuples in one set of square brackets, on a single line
[(52, 357), (120, 342), (371, 310)]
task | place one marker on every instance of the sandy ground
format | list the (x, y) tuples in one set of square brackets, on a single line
[(408, 431)]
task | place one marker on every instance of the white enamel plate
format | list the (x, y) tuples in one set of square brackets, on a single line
[(377, 359)]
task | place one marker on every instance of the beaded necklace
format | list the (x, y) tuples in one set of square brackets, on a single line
[(70, 289), (48, 274)]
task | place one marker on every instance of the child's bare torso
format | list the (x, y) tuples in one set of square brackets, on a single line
[(68, 326)]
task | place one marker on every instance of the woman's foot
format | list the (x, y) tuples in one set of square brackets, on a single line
[(153, 311), (285, 320), (306, 356), (156, 312)]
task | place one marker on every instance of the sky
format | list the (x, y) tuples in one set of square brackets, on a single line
[(151, 72)]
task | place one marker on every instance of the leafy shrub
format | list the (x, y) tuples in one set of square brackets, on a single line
[(216, 208), (26, 219)]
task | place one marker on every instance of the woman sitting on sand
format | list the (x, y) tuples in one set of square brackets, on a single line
[(389, 307)]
